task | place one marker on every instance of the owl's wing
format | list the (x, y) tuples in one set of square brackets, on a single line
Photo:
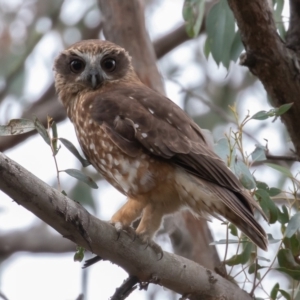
[(137, 117)]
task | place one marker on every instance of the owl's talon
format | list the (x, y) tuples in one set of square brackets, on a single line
[(155, 247), (120, 227)]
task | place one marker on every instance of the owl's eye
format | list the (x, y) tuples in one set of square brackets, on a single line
[(76, 66), (108, 64)]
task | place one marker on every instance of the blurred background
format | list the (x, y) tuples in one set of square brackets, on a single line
[(35, 262)]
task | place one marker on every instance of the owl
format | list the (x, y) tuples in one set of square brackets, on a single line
[(146, 146)]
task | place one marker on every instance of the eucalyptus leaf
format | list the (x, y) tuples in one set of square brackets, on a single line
[(283, 109), (224, 242), (244, 175), (283, 217), (82, 177), (233, 229), (17, 126), (293, 225), (285, 294), (193, 12), (220, 29), (275, 291), (268, 206), (281, 169), (241, 258), (271, 240), (259, 153), (261, 115), (42, 130), (74, 151), (287, 264)]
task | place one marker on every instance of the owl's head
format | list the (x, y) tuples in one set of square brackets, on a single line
[(89, 65)]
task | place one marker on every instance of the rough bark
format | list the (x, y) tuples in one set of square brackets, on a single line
[(130, 33), (72, 221), (268, 57), (38, 239)]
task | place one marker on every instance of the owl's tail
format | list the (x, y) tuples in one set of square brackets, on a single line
[(242, 216)]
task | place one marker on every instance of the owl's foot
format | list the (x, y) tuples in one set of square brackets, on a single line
[(121, 227), (150, 243)]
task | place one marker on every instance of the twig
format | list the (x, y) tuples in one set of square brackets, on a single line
[(220, 112), (127, 287), (3, 296), (92, 261)]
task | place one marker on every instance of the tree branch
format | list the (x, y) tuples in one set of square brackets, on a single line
[(269, 59), (130, 33), (72, 221), (38, 239)]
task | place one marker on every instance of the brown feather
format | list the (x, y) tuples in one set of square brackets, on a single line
[(165, 131)]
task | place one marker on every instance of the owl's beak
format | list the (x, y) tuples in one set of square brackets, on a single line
[(94, 78)]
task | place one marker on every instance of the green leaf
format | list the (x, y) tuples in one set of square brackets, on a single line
[(252, 267), (281, 169), (193, 12), (237, 47), (283, 217), (224, 242), (83, 194), (274, 291), (42, 130), (259, 153), (261, 115), (74, 151), (293, 225), (220, 28), (285, 294), (241, 258), (262, 185), (283, 109), (82, 177), (233, 229), (263, 258), (79, 254), (295, 274), (271, 240), (206, 48), (244, 175), (293, 243), (274, 191), (222, 149), (17, 126), (268, 206), (287, 264)]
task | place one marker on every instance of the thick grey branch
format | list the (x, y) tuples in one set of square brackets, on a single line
[(269, 59), (38, 239), (72, 221)]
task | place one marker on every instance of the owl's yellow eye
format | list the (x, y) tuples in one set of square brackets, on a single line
[(77, 66), (108, 64)]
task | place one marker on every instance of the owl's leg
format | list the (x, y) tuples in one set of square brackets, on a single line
[(129, 212), (150, 223)]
